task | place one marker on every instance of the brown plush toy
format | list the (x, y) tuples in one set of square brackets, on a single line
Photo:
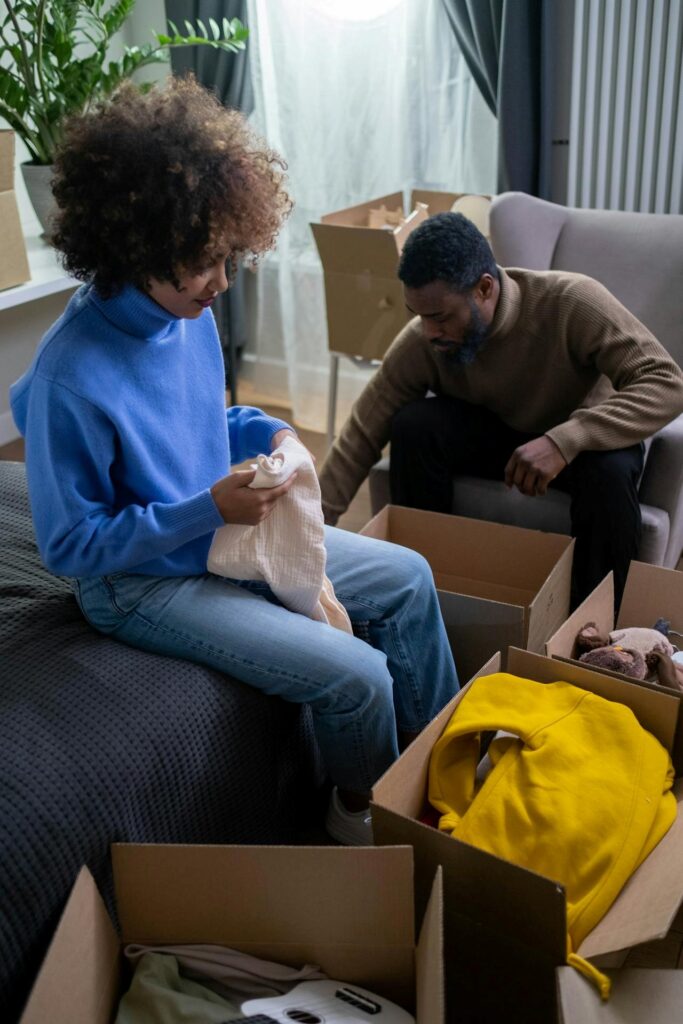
[(617, 659), (637, 652), (669, 673), (640, 639), (589, 638)]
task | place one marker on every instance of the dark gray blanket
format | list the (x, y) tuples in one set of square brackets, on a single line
[(101, 743)]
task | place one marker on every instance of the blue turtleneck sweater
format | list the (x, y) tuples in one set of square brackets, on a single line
[(123, 411)]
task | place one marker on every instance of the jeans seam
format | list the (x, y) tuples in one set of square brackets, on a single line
[(410, 677), (112, 596), (363, 601)]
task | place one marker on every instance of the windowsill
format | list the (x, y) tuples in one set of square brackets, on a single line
[(47, 276)]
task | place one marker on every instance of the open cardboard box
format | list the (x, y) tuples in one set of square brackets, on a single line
[(504, 926), (498, 586), (364, 298), (348, 910), (638, 995), (14, 267), (651, 592)]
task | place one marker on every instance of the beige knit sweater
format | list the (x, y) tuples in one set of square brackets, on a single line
[(564, 358)]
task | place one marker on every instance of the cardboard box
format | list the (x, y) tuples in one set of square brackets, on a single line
[(14, 267), (363, 296), (638, 996), (499, 586), (650, 593), (504, 926), (348, 910)]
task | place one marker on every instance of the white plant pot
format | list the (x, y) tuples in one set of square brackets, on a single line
[(37, 179)]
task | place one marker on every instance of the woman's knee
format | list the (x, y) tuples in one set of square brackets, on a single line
[(362, 685)]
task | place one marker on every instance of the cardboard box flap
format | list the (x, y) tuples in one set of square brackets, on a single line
[(475, 625), (598, 607), (490, 591), (473, 548), (404, 785), (357, 216), (652, 592), (638, 996), (438, 202), (429, 966), (499, 897), (235, 895), (655, 709), (363, 253), (548, 608), (650, 899), (78, 982), (412, 221)]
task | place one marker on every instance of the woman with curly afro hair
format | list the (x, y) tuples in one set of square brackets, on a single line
[(129, 445)]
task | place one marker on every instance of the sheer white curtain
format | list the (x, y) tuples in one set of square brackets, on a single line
[(363, 98)]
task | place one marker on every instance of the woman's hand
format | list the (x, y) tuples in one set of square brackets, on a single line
[(241, 504), (279, 437)]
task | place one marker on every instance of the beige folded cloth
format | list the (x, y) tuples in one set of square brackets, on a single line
[(241, 975), (287, 549)]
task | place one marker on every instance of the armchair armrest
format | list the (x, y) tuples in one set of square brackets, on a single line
[(662, 482)]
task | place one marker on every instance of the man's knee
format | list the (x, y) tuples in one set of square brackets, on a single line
[(412, 421), (611, 473)]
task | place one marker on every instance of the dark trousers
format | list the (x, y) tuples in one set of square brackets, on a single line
[(433, 439)]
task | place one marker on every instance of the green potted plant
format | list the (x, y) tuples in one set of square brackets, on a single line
[(53, 62)]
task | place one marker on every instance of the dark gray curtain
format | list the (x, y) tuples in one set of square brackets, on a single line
[(228, 74), (505, 44)]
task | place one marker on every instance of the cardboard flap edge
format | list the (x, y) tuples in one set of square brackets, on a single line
[(429, 961)]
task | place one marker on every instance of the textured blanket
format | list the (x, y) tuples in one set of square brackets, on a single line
[(101, 743)]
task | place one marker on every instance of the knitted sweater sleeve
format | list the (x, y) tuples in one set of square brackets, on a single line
[(80, 529), (648, 384), (251, 431), (407, 373)]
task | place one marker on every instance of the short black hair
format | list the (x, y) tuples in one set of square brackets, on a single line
[(446, 247)]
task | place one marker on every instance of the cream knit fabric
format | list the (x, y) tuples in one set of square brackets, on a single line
[(287, 549)]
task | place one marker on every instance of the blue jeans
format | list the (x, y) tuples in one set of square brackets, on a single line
[(361, 694)]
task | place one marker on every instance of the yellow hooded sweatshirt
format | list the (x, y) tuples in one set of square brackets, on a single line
[(581, 797)]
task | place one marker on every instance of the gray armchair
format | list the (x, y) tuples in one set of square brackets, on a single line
[(639, 257)]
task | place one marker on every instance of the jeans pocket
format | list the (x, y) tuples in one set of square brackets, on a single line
[(96, 599)]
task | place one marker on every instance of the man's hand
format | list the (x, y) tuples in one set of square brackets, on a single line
[(239, 503), (533, 465)]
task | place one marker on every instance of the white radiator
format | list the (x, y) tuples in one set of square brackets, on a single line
[(626, 126)]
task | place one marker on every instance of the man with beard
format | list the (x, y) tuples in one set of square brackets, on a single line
[(534, 378)]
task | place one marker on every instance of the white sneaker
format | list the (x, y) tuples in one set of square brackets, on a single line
[(350, 828)]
